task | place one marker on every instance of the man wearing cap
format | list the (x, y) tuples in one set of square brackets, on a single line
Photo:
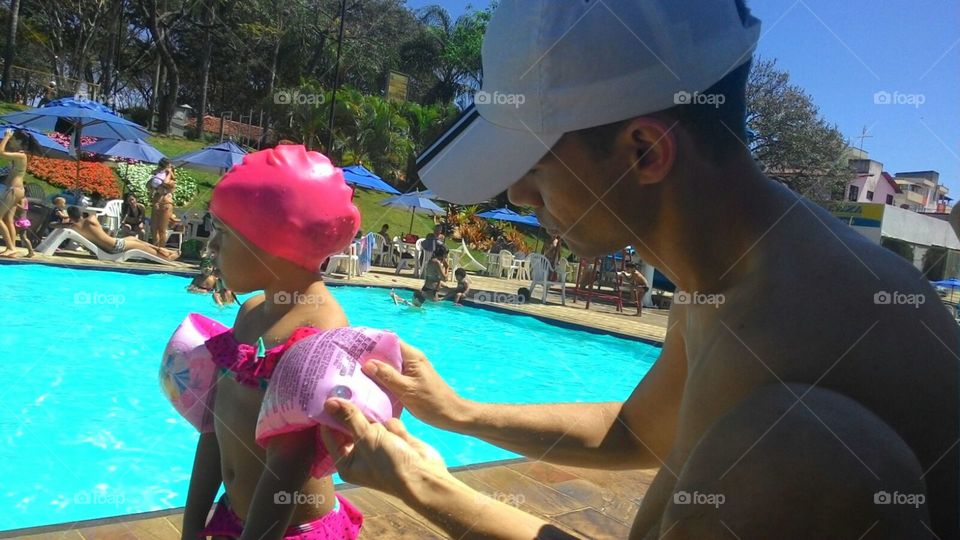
[(820, 403)]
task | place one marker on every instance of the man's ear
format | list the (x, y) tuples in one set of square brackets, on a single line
[(651, 146)]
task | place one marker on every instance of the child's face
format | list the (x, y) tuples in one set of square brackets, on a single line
[(240, 264)]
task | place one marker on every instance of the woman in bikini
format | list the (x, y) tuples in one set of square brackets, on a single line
[(162, 185), (11, 194)]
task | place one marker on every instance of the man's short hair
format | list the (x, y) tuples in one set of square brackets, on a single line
[(718, 128), (440, 251), (74, 212)]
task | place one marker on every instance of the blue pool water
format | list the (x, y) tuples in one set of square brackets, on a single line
[(86, 433)]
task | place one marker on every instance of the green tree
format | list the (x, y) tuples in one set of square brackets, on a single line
[(790, 139)]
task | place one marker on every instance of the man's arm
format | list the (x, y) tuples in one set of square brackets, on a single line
[(635, 434), (204, 484)]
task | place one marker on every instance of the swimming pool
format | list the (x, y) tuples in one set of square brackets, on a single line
[(86, 433)]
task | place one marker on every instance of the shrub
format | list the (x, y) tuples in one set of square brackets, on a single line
[(95, 178), (137, 176)]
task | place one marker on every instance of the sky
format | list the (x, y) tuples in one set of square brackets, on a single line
[(842, 53)]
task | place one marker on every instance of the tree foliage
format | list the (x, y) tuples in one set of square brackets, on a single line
[(790, 139)]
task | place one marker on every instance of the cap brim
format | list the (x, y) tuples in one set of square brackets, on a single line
[(475, 160)]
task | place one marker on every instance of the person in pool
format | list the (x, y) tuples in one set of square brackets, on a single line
[(835, 414), (88, 227), (284, 263), (434, 273)]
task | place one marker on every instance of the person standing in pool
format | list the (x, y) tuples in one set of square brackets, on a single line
[(624, 123), (434, 273), (269, 491), (11, 193)]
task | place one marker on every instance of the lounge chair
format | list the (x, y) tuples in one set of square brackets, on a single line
[(51, 243), (462, 258)]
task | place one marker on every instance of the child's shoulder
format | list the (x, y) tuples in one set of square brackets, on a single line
[(249, 305)]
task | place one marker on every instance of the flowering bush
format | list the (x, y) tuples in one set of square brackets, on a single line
[(95, 178), (65, 139), (137, 176)]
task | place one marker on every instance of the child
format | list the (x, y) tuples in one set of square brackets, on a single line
[(22, 225), (205, 282), (270, 492), (463, 286), (59, 214), (637, 283), (221, 294)]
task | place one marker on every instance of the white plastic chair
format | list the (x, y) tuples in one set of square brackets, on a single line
[(111, 214), (381, 250), (403, 262), (540, 270), (506, 262), (350, 257), (462, 258), (518, 269)]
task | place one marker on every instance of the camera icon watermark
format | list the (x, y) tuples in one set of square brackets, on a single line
[(909, 499), (696, 298), (99, 497), (897, 98), (696, 98), (295, 97), (298, 498), (483, 97), (491, 297), (896, 298), (94, 298), (297, 298), (708, 499)]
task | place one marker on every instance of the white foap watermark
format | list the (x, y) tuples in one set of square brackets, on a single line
[(297, 298), (100, 497), (295, 97), (898, 98), (298, 498), (491, 297), (512, 499), (909, 499), (498, 98), (95, 298), (696, 98), (896, 298), (708, 499), (697, 298)]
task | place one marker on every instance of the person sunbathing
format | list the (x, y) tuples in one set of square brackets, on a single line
[(89, 228)]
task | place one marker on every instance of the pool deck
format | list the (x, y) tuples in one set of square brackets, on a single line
[(587, 503)]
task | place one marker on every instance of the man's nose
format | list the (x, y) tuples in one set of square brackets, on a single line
[(525, 193)]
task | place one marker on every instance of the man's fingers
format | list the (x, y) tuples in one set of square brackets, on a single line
[(349, 417), (385, 374), (425, 450), (334, 447), (410, 354)]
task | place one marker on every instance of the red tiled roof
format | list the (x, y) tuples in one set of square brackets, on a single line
[(231, 128), (889, 179)]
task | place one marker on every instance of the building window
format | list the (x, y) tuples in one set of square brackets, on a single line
[(889, 199), (869, 195), (854, 193)]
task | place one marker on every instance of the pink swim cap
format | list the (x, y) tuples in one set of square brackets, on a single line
[(290, 203)]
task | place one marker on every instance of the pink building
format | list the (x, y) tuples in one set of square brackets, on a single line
[(871, 184)]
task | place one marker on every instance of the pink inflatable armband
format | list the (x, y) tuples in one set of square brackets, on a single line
[(187, 374), (322, 366)]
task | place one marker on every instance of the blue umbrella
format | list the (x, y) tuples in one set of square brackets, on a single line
[(44, 146), (506, 214), (360, 176), (137, 149), (217, 157), (416, 202), (88, 117), (952, 283)]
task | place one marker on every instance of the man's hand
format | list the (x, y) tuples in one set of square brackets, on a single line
[(420, 388), (381, 456)]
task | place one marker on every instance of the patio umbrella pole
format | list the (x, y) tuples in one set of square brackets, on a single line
[(413, 212)]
